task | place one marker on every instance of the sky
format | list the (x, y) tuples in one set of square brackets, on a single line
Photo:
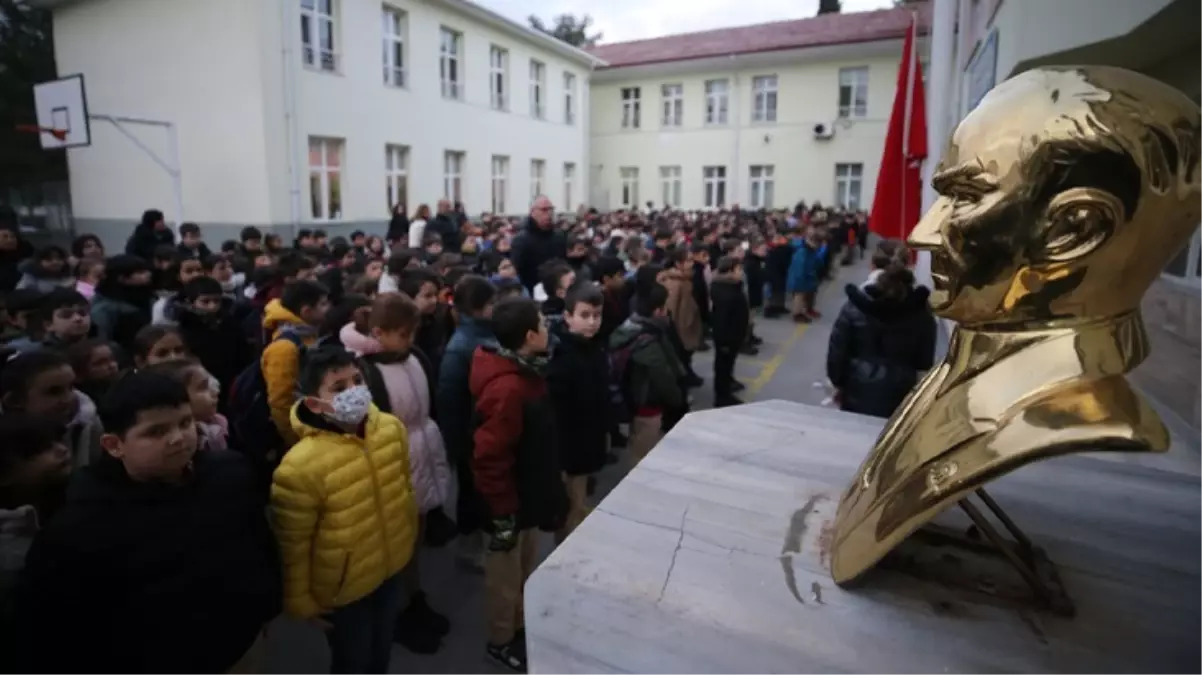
[(622, 20)]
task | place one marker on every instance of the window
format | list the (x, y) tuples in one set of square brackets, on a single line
[(452, 176), (498, 74), (569, 98), (394, 47), (500, 182), (450, 55), (569, 177), (538, 173), (317, 34), (715, 186), (325, 178), (717, 99), (538, 86), (848, 179), (673, 96), (669, 178), (763, 107), (761, 187), (853, 92), (1187, 264), (396, 172), (630, 107), (630, 186)]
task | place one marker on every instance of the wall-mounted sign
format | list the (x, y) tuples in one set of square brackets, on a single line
[(981, 74)]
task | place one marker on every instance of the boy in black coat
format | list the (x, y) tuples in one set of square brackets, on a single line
[(578, 381), (732, 317), (701, 287), (213, 332), (160, 561)]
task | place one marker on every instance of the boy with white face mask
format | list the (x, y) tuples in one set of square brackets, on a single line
[(342, 545)]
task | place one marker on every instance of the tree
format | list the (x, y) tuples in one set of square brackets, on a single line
[(829, 7), (569, 29), (26, 58)]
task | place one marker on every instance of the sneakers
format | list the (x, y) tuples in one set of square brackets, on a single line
[(801, 318), (727, 401), (814, 314), (755, 341), (419, 628), (737, 386), (749, 350), (693, 380), (511, 655)]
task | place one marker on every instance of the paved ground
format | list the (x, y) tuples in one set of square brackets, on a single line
[(790, 362)]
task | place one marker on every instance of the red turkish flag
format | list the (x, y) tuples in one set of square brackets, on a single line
[(897, 203)]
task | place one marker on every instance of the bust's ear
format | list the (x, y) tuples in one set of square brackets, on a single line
[(1077, 222)]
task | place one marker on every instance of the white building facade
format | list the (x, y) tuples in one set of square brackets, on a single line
[(319, 113), (1001, 38), (759, 116)]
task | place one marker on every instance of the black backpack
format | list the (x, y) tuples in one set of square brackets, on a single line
[(251, 426)]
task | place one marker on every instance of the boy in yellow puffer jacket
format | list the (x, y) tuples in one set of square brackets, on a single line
[(299, 310), (344, 512)]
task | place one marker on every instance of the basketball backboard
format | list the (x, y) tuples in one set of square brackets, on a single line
[(62, 105)]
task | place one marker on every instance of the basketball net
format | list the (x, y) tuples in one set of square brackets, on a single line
[(60, 134)]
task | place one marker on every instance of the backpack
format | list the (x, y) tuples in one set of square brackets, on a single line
[(619, 380), (252, 429)]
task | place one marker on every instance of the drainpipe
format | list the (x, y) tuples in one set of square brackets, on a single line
[(288, 57), (733, 181)]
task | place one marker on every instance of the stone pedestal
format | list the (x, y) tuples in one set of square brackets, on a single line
[(712, 556)]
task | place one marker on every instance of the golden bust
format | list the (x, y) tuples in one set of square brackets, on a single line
[(1062, 197)]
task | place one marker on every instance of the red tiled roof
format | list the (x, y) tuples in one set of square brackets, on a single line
[(828, 29)]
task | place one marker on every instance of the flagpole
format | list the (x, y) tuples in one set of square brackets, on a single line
[(912, 57)]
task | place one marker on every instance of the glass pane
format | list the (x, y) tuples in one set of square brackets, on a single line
[(389, 159), (721, 190), (325, 6), (327, 35), (333, 155), (676, 193), (314, 154), (308, 4), (768, 189), (388, 188), (755, 194), (306, 31), (335, 184), (315, 195)]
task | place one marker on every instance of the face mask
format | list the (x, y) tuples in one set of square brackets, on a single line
[(351, 406)]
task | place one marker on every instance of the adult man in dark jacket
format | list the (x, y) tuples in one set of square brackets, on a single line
[(151, 233), (537, 243), (446, 225)]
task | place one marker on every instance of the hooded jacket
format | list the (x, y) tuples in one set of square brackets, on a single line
[(452, 396), (10, 261), (878, 348), (344, 513), (407, 395), (515, 459), (146, 238), (281, 364), (578, 380), (682, 307), (533, 247), (33, 276), (217, 341), (119, 312), (654, 373), (805, 268), (136, 577), (732, 314)]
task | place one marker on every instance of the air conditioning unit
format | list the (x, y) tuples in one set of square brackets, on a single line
[(823, 132)]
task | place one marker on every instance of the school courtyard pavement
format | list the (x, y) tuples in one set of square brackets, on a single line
[(790, 362)]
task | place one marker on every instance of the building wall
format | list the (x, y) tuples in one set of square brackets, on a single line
[(355, 105), (137, 62), (804, 167)]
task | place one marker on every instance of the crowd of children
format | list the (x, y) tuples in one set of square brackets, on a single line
[(197, 440)]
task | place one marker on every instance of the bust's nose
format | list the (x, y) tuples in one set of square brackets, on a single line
[(928, 233)]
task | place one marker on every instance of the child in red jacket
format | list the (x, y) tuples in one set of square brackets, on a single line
[(515, 464)]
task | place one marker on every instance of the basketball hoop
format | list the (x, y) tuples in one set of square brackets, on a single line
[(60, 134)]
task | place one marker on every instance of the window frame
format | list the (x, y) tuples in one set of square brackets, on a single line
[(628, 177), (396, 174), (321, 203), (569, 179), (394, 37), (850, 79), (762, 185), (450, 60), (843, 184), (498, 78), (671, 185), (714, 186), (452, 180), (500, 183), (569, 98), (717, 103), (672, 105), (538, 176), (632, 107), (316, 15), (765, 98), (538, 89)]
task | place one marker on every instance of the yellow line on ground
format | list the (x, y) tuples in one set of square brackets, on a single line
[(769, 370)]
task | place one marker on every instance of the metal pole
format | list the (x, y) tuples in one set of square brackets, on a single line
[(290, 136), (171, 165)]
